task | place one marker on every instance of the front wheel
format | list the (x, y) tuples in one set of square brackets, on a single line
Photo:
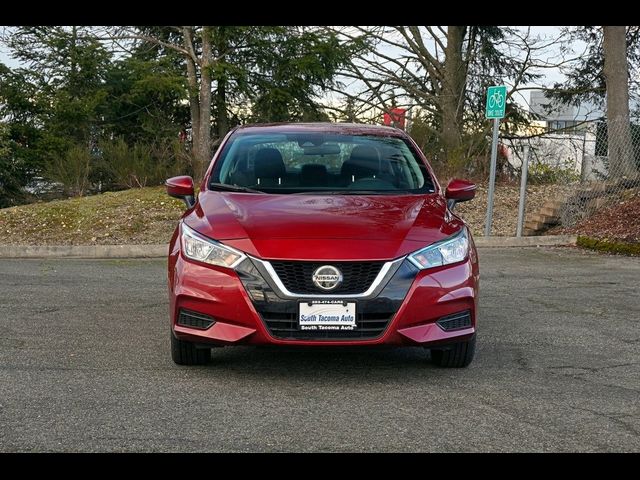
[(186, 353), (456, 355)]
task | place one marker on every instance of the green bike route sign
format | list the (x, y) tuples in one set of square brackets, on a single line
[(496, 102)]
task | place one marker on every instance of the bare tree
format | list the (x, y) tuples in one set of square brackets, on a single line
[(444, 72)]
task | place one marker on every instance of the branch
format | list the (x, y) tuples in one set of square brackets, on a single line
[(435, 74), (145, 38), (436, 38), (187, 33)]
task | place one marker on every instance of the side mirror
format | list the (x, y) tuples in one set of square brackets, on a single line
[(182, 188), (459, 191)]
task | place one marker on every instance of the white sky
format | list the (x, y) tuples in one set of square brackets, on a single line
[(7, 59), (544, 40), (551, 75)]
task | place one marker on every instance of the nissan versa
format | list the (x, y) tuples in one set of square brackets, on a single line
[(322, 234)]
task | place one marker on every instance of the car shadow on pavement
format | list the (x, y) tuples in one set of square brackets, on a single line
[(316, 362)]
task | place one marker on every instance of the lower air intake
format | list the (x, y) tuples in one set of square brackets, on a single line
[(455, 321), (194, 320)]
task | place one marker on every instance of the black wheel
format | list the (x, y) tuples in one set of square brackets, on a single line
[(456, 355), (186, 353)]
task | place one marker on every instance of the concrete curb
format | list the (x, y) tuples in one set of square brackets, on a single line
[(159, 251), (534, 241), (83, 251)]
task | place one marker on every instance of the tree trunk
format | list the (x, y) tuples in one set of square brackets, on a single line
[(616, 73), (452, 92), (222, 119), (194, 101), (204, 155), (73, 65)]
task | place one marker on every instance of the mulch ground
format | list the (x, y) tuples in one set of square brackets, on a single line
[(617, 222), (505, 206)]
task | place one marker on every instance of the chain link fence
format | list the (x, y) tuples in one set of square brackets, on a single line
[(594, 165)]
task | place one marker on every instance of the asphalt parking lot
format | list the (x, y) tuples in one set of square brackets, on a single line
[(85, 366)]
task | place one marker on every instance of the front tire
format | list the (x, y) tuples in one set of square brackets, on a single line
[(186, 353), (457, 355)]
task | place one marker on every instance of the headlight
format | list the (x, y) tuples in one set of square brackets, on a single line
[(198, 247), (453, 249)]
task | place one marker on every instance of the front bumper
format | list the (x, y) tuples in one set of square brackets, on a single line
[(242, 303)]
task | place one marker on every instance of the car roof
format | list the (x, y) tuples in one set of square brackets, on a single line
[(324, 127)]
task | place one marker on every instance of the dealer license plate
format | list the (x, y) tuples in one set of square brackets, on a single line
[(327, 315)]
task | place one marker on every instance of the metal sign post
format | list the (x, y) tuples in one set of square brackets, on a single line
[(523, 190), (495, 109)]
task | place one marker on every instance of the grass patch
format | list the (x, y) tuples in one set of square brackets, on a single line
[(609, 246), (135, 216), (148, 216)]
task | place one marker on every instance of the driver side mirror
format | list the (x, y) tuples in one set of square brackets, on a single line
[(459, 191), (182, 188)]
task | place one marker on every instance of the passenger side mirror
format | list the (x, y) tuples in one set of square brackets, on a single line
[(182, 188), (459, 191)]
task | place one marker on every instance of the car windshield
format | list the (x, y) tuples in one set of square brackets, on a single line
[(303, 162)]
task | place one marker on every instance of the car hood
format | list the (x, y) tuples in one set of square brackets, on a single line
[(323, 227)]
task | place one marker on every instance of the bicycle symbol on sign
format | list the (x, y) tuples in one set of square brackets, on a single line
[(496, 99)]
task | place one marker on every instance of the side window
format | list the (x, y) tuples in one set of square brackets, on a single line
[(332, 156), (292, 155), (253, 150), (286, 149), (251, 157)]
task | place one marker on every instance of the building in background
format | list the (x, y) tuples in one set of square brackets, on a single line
[(564, 137), (395, 118), (563, 118)]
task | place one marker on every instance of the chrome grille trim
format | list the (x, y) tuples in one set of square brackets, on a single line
[(386, 272)]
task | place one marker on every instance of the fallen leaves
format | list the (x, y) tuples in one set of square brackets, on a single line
[(148, 215), (139, 216), (505, 206), (618, 222)]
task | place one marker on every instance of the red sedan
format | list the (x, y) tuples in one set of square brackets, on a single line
[(322, 234)]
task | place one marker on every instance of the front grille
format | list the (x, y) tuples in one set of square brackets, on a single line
[(285, 326), (357, 276), (280, 315), (194, 320), (455, 321)]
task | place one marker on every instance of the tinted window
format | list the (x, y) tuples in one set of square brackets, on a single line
[(317, 162)]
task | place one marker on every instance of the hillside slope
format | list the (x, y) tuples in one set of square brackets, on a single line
[(136, 216), (149, 215)]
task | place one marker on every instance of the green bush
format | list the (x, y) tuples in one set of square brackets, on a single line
[(542, 173), (127, 166), (9, 183), (115, 165), (120, 165), (72, 170)]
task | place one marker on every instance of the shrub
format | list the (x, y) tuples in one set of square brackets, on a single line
[(609, 246), (72, 170), (125, 166), (542, 173), (120, 165)]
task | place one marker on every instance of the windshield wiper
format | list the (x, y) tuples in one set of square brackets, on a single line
[(232, 188)]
